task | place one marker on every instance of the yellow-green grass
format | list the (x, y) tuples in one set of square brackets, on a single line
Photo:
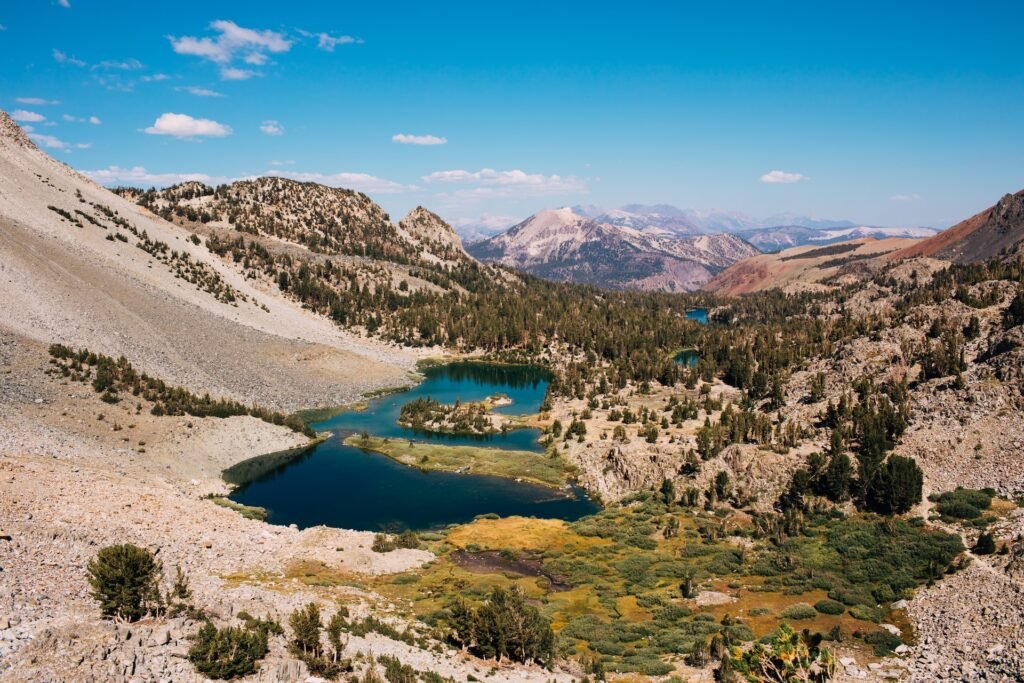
[(536, 468), (247, 511)]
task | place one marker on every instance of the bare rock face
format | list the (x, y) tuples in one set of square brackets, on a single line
[(433, 234)]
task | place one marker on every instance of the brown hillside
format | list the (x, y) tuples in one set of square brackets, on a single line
[(983, 236)]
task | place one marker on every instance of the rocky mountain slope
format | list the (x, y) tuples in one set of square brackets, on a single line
[(997, 230), (86, 268), (562, 245)]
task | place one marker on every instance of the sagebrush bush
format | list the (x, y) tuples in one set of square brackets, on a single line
[(799, 610), (829, 607)]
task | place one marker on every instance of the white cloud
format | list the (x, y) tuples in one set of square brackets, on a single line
[(66, 4), (231, 40), (69, 117), (138, 175), (63, 58), (184, 126), (288, 162), (95, 120), (199, 92), (255, 58), (83, 145), (271, 127), (404, 139), (231, 73), (49, 141), (38, 101), (327, 42), (485, 224), (905, 197), (27, 116), (782, 178), (355, 181), (492, 183), (155, 78)]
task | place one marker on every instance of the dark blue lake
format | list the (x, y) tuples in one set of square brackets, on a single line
[(346, 487), (698, 314)]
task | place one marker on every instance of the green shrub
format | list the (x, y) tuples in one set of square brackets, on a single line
[(829, 607), (964, 503), (799, 610), (228, 652), (866, 613), (125, 580), (885, 643), (986, 544)]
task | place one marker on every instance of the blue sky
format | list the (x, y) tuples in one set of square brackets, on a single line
[(905, 113)]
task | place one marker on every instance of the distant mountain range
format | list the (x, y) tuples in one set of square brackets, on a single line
[(562, 244), (655, 246), (781, 231)]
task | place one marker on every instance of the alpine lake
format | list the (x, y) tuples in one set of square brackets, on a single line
[(342, 485)]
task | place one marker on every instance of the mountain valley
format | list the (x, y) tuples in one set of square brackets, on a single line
[(836, 450)]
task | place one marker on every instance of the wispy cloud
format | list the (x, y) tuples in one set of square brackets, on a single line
[(138, 175), (185, 126), (155, 78), (94, 120), (49, 141), (905, 197), (288, 162), (199, 92), (491, 183), (66, 4), (271, 127), (37, 101), (231, 73), (327, 42), (27, 116), (782, 178), (355, 181), (404, 139), (63, 58), (121, 65)]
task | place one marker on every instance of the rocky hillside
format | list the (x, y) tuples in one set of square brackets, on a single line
[(436, 238), (323, 219), (562, 245), (807, 268), (997, 230), (84, 267)]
